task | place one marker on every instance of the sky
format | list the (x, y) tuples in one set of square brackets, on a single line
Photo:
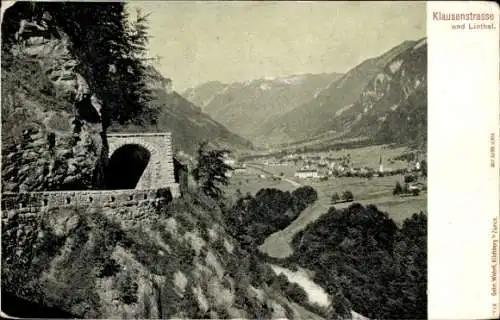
[(238, 41)]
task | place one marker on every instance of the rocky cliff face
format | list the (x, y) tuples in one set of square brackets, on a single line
[(393, 106), (50, 139)]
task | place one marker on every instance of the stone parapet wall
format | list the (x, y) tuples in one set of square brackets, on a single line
[(37, 201)]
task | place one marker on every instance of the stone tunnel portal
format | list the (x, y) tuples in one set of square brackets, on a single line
[(126, 166), (141, 161)]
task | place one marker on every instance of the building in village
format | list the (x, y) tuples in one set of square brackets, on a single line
[(306, 173)]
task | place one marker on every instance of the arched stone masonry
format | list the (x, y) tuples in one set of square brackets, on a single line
[(159, 172)]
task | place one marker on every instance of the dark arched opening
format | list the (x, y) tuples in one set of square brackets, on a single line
[(16, 306), (125, 166)]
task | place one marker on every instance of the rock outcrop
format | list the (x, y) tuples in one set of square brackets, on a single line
[(393, 106), (52, 133)]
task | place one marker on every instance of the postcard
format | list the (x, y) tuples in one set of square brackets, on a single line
[(250, 160)]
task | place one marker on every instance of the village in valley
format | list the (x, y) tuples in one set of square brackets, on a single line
[(392, 178)]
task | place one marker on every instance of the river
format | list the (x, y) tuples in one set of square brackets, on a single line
[(315, 293)]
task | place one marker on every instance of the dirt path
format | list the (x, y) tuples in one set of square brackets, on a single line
[(278, 244)]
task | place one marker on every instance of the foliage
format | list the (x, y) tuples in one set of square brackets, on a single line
[(21, 268), (361, 254), (335, 197), (252, 219), (423, 167), (410, 178), (89, 258), (110, 46), (109, 268), (406, 156), (296, 293), (84, 254), (211, 171), (128, 289), (398, 189), (347, 195), (302, 197)]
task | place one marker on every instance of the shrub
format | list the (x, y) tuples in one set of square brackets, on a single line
[(211, 172), (335, 197), (128, 289), (306, 194), (18, 273), (296, 293), (347, 196), (398, 189), (410, 178), (108, 268)]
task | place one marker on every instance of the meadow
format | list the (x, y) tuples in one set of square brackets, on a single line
[(374, 191), (251, 182)]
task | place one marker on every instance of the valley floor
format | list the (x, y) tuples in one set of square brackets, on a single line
[(376, 191)]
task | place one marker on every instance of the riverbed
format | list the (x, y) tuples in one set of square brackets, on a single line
[(315, 292)]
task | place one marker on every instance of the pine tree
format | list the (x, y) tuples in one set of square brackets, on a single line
[(211, 172), (112, 51), (423, 167)]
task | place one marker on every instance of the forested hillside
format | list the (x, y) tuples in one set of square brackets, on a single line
[(169, 111), (360, 253)]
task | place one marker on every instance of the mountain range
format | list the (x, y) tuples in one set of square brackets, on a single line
[(187, 122), (383, 99), (244, 106)]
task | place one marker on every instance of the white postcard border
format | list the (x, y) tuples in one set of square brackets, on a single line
[(464, 184)]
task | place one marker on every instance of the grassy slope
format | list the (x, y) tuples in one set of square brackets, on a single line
[(181, 264)]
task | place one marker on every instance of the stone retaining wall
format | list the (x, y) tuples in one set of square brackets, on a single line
[(40, 201)]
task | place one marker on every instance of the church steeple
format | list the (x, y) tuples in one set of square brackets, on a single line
[(381, 166)]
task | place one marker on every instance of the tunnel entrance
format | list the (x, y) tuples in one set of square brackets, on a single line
[(126, 166)]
